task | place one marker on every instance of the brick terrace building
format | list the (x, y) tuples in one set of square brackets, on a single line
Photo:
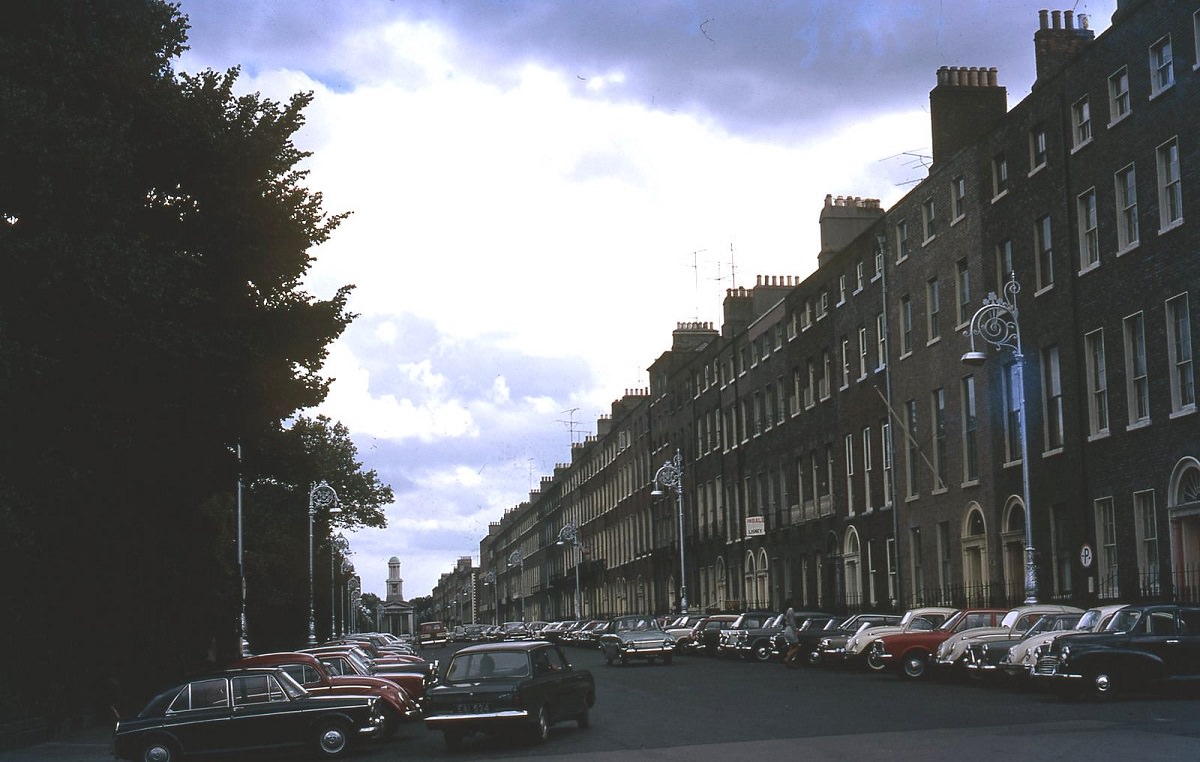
[(837, 451)]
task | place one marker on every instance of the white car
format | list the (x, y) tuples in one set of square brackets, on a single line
[(920, 618), (1021, 658), (951, 651)]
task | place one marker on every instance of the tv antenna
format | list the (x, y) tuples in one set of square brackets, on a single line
[(572, 425)]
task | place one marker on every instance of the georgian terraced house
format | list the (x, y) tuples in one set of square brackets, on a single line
[(837, 450)]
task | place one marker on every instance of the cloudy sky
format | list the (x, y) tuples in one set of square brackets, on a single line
[(542, 189)]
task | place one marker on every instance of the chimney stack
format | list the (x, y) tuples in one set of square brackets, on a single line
[(965, 104), (1057, 41)]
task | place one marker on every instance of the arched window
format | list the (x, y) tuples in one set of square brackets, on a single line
[(761, 585), (1012, 541), (750, 573), (852, 568)]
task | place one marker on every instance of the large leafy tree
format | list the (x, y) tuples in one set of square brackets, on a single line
[(154, 231)]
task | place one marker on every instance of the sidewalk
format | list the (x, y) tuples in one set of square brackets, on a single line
[(90, 744)]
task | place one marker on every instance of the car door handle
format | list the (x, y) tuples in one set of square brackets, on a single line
[(1172, 641)]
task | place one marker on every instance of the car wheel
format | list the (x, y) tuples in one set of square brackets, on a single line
[(812, 658), (1100, 685), (584, 718), (333, 740), (158, 750), (761, 652), (915, 663), (454, 739), (874, 663), (541, 730), (667, 659)]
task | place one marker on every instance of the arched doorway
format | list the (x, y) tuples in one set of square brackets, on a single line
[(1183, 512), (1012, 542), (974, 549), (852, 568)]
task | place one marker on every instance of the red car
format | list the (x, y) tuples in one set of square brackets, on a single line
[(415, 680), (908, 653), (307, 670)]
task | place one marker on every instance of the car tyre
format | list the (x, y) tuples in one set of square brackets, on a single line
[(333, 739), (541, 730), (584, 718), (761, 652), (454, 739), (915, 664), (159, 750), (874, 663)]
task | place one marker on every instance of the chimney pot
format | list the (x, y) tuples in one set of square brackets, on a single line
[(1069, 19), (1044, 19), (1056, 19)]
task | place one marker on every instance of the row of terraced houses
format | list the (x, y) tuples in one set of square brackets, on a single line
[(835, 448)]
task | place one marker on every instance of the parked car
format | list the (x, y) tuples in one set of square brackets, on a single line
[(907, 653), (513, 687), (921, 619), (707, 634), (587, 634), (1144, 646), (950, 656), (398, 707), (981, 661), (272, 711), (635, 637), (1018, 663), (348, 663), (832, 638), (515, 631), (681, 629), (432, 634), (735, 632)]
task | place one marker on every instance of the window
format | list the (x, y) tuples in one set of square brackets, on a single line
[(999, 175), (928, 220), (1137, 382), (806, 317), (1118, 95), (1147, 542), (1053, 402), (841, 289), (906, 326), (933, 310), (862, 352), (878, 265), (1106, 553), (1170, 191), (866, 465), (1004, 261), (970, 428), (885, 449), (810, 390), (823, 305), (845, 362), (1014, 423), (826, 370), (962, 291), (1097, 379), (1162, 68), (850, 473), (1179, 354), (1127, 219), (1089, 238), (1081, 116), (958, 199), (860, 272), (913, 452), (881, 341), (1037, 148), (939, 438), (1043, 246)]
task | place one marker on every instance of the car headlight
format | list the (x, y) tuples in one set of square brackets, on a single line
[(1064, 654), (823, 643)]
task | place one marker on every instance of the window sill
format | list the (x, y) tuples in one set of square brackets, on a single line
[(929, 240), (1166, 89), (1098, 436), (1142, 424), (970, 483), (1127, 249), (1043, 290), (906, 355), (912, 498), (1171, 226), (1052, 453), (1119, 119), (1080, 146), (1012, 463), (957, 220), (1036, 169), (1088, 268), (999, 195), (1182, 412), (934, 340), (939, 491)]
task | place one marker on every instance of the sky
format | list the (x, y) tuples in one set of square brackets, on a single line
[(542, 190)]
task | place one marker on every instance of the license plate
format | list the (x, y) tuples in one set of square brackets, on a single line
[(472, 708)]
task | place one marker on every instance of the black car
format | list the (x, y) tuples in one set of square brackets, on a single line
[(238, 710), (1144, 646), (510, 687)]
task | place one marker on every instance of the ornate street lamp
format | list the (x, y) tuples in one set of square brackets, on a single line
[(243, 639), (996, 322), (569, 535), (670, 476), (321, 496), (516, 559), (337, 545), (490, 579)]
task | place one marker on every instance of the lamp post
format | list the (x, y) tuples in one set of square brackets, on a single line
[(516, 559), (670, 476), (490, 579), (321, 495), (569, 535), (996, 322), (337, 544), (243, 640)]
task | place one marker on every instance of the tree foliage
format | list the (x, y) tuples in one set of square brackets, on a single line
[(155, 229)]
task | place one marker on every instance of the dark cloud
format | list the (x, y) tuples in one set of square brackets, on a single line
[(756, 67)]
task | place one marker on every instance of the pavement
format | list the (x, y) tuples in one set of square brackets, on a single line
[(90, 744)]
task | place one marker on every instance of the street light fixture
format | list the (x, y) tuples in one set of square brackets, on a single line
[(490, 579), (996, 322), (569, 535), (337, 544), (516, 559), (670, 476), (321, 495)]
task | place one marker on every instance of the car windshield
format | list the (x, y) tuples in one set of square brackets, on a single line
[(1124, 621), (488, 664), (636, 625)]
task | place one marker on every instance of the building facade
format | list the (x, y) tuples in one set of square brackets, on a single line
[(836, 449)]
